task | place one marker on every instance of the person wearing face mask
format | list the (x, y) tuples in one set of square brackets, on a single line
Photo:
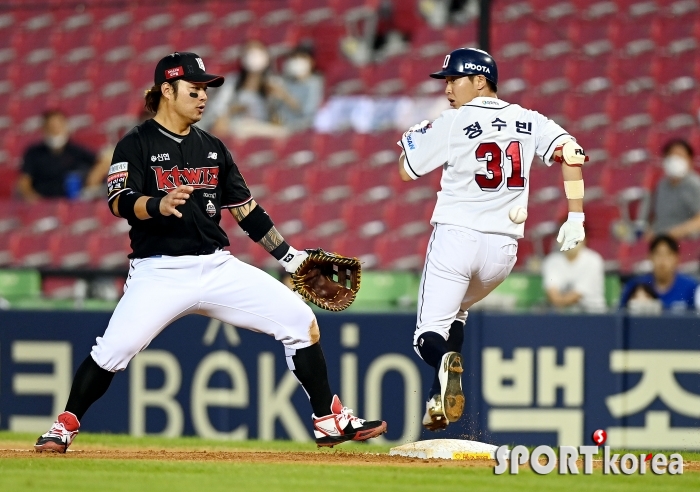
[(677, 196), (297, 97), (243, 110), (55, 167)]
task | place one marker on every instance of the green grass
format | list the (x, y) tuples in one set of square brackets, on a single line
[(56, 473)]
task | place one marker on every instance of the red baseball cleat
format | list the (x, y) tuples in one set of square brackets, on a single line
[(341, 425), (60, 435)]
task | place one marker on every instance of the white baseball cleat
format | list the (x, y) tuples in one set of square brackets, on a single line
[(60, 435), (450, 376), (434, 418), (341, 425)]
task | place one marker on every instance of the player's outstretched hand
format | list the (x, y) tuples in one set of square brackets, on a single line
[(176, 197), (571, 233)]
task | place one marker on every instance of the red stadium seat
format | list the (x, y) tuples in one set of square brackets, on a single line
[(675, 72), (675, 34), (399, 253), (10, 174), (357, 246), (370, 181), (630, 256), (671, 110), (9, 216), (588, 111), (632, 36), (550, 43), (68, 250), (591, 36), (342, 77), (29, 249), (548, 76), (509, 39), (382, 79), (327, 183), (323, 218), (285, 183), (628, 110), (587, 74), (408, 218), (79, 217), (629, 73), (600, 215), (365, 218), (108, 251), (628, 147)]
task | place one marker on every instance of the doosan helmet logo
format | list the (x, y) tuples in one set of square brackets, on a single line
[(478, 68)]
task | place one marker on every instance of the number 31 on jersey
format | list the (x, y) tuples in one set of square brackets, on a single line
[(493, 155)]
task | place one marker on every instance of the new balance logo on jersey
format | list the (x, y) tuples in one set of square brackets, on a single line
[(160, 157), (200, 178), (212, 155), (478, 68)]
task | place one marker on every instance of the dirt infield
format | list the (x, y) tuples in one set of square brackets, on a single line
[(265, 457)]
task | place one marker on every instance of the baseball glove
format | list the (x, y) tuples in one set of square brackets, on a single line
[(329, 280)]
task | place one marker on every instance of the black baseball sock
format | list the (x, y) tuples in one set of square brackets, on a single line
[(310, 370), (432, 347), (456, 338), (89, 384)]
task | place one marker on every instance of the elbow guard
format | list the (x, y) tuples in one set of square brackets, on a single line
[(570, 153)]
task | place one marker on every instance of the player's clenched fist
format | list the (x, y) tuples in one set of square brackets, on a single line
[(176, 197)]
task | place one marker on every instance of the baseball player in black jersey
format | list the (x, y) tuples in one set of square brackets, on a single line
[(171, 180)]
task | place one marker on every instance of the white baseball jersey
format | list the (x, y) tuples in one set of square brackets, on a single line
[(485, 148)]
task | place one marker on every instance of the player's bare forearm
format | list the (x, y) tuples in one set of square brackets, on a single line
[(402, 171), (573, 173), (271, 239)]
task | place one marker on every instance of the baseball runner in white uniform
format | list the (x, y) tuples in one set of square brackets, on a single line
[(485, 147)]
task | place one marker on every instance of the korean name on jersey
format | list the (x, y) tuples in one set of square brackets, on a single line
[(485, 148)]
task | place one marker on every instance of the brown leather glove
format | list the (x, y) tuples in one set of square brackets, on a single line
[(329, 280)]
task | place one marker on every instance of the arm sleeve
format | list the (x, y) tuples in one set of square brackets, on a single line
[(235, 191), (549, 136), (428, 148), (127, 169)]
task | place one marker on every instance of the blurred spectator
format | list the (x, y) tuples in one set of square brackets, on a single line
[(241, 107), (677, 196), (55, 167), (439, 13), (643, 300), (676, 291), (96, 181), (575, 279), (297, 97)]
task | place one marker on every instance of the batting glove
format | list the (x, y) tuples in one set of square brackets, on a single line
[(571, 232), (293, 259)]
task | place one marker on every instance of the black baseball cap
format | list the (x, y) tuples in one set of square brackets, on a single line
[(185, 66)]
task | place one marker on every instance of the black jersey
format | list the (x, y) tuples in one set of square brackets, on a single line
[(154, 161)]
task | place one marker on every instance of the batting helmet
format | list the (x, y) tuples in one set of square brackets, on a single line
[(468, 61)]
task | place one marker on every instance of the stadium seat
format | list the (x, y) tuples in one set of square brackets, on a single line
[(632, 37), (590, 36), (312, 12), (362, 247), (323, 218), (632, 256), (399, 253), (327, 183), (108, 251), (10, 174), (382, 79), (600, 215), (671, 110), (587, 111), (627, 147), (509, 39), (631, 74), (628, 110), (29, 249), (9, 216), (364, 218), (341, 77), (550, 43), (285, 183), (287, 218), (78, 217), (408, 218), (675, 34), (369, 182), (547, 76), (587, 74), (68, 250), (550, 105), (675, 73)]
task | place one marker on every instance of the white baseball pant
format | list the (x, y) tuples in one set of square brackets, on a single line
[(462, 266), (160, 290)]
